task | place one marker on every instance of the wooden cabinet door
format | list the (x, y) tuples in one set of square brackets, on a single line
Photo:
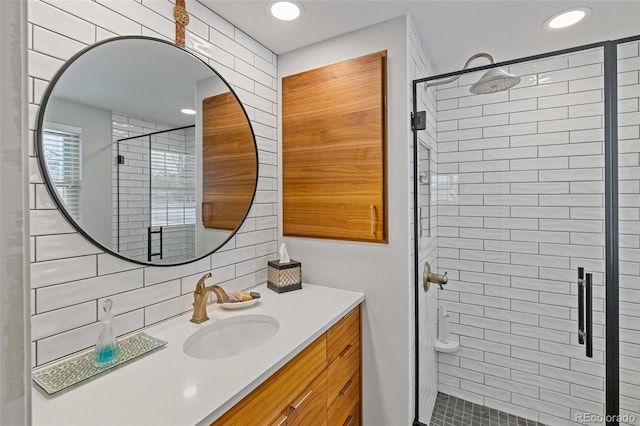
[(334, 151), (229, 163)]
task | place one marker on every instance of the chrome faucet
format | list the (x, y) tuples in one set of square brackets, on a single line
[(200, 297), (429, 277)]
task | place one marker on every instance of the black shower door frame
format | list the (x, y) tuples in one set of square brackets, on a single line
[(148, 136), (612, 336)]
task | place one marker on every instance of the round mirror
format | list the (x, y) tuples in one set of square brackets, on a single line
[(147, 151)]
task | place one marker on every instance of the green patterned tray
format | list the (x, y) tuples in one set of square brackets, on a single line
[(72, 371)]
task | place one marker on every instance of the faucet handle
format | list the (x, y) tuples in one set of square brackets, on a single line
[(200, 285), (429, 277), (444, 281)]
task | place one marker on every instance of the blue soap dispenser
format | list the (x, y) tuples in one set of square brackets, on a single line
[(106, 353)]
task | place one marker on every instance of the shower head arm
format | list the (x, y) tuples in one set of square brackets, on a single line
[(476, 56), (466, 65)]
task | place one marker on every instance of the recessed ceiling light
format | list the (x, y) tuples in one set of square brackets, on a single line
[(285, 10), (566, 18), (188, 111)]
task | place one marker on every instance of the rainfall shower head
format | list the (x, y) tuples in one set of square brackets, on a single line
[(494, 80)]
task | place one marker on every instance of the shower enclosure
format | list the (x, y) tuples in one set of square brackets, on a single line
[(155, 191), (534, 193)]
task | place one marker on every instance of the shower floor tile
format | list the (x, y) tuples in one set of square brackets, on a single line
[(452, 411)]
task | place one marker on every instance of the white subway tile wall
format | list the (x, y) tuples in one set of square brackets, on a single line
[(521, 205), (71, 277), (419, 67)]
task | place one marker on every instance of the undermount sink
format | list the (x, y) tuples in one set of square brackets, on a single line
[(230, 336)]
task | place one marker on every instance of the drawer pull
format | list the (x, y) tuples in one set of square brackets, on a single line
[(349, 421), (372, 219), (298, 402), (282, 420), (345, 387), (346, 350)]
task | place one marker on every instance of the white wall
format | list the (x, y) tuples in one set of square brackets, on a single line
[(15, 377), (381, 271), (95, 202), (69, 276)]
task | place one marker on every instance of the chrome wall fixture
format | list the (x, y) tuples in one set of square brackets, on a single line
[(429, 277)]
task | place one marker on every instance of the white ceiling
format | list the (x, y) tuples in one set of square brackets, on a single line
[(451, 30)]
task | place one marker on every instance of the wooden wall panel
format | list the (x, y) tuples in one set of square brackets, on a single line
[(334, 151), (229, 163)]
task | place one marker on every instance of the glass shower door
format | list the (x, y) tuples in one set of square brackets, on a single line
[(171, 233), (155, 190), (519, 196), (132, 191), (629, 230)]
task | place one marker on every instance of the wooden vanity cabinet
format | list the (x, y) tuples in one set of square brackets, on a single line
[(319, 387), (343, 358)]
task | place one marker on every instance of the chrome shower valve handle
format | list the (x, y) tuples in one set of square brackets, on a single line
[(444, 280), (429, 277)]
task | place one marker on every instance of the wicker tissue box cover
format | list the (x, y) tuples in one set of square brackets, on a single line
[(283, 277)]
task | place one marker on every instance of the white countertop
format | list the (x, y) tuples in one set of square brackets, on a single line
[(168, 387)]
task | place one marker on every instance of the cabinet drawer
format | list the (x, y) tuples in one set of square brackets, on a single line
[(343, 333), (347, 399), (353, 419), (281, 421), (265, 404), (343, 368), (310, 407)]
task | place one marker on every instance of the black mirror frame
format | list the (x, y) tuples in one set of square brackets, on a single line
[(39, 150)]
